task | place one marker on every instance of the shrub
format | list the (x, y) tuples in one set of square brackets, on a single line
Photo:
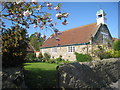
[(58, 60), (83, 57), (40, 56), (30, 57), (51, 61), (116, 54), (116, 45), (102, 53), (46, 57)]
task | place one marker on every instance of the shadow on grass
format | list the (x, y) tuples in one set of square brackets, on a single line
[(26, 64), (37, 78)]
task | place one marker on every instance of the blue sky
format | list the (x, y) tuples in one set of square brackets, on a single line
[(83, 13)]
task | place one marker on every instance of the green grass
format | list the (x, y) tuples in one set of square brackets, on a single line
[(40, 75)]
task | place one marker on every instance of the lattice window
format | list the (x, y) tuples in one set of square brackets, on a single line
[(105, 36), (71, 49)]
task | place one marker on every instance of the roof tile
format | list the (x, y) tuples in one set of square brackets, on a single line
[(77, 35)]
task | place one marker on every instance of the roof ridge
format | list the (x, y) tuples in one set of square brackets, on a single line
[(79, 27)]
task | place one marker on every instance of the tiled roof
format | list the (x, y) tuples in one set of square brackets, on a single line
[(114, 39), (77, 35)]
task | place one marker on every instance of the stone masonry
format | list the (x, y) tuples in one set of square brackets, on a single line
[(63, 51), (95, 74)]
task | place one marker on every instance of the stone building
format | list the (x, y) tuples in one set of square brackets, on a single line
[(80, 39)]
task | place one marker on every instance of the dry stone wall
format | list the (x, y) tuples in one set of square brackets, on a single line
[(13, 78), (95, 74)]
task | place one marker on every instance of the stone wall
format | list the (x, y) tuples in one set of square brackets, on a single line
[(63, 51), (95, 74), (13, 78)]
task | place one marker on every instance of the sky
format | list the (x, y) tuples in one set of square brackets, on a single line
[(83, 13)]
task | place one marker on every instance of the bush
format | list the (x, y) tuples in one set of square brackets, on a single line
[(30, 57), (40, 56), (51, 61), (83, 57), (116, 54), (116, 45), (102, 53), (46, 57), (58, 60)]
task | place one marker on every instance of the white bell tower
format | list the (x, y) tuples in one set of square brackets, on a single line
[(101, 17)]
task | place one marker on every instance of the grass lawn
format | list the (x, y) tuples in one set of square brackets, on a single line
[(40, 75)]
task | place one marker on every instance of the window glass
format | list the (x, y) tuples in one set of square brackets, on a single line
[(71, 49)]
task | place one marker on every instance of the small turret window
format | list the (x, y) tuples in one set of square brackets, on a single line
[(100, 15)]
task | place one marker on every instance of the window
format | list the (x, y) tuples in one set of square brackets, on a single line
[(54, 49), (105, 36), (71, 49)]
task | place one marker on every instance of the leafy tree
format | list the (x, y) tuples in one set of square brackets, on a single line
[(116, 45), (20, 15), (13, 46), (36, 41)]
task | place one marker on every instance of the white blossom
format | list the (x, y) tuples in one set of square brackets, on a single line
[(58, 15), (65, 15), (38, 20), (57, 8), (49, 4), (35, 26), (43, 36), (39, 7), (51, 37), (50, 20), (34, 0), (41, 26), (27, 13), (65, 23), (18, 2)]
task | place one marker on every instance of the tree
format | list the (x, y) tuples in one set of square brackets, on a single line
[(36, 41), (27, 13), (116, 45), (13, 46), (20, 15)]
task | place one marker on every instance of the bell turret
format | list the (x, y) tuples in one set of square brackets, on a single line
[(101, 17)]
